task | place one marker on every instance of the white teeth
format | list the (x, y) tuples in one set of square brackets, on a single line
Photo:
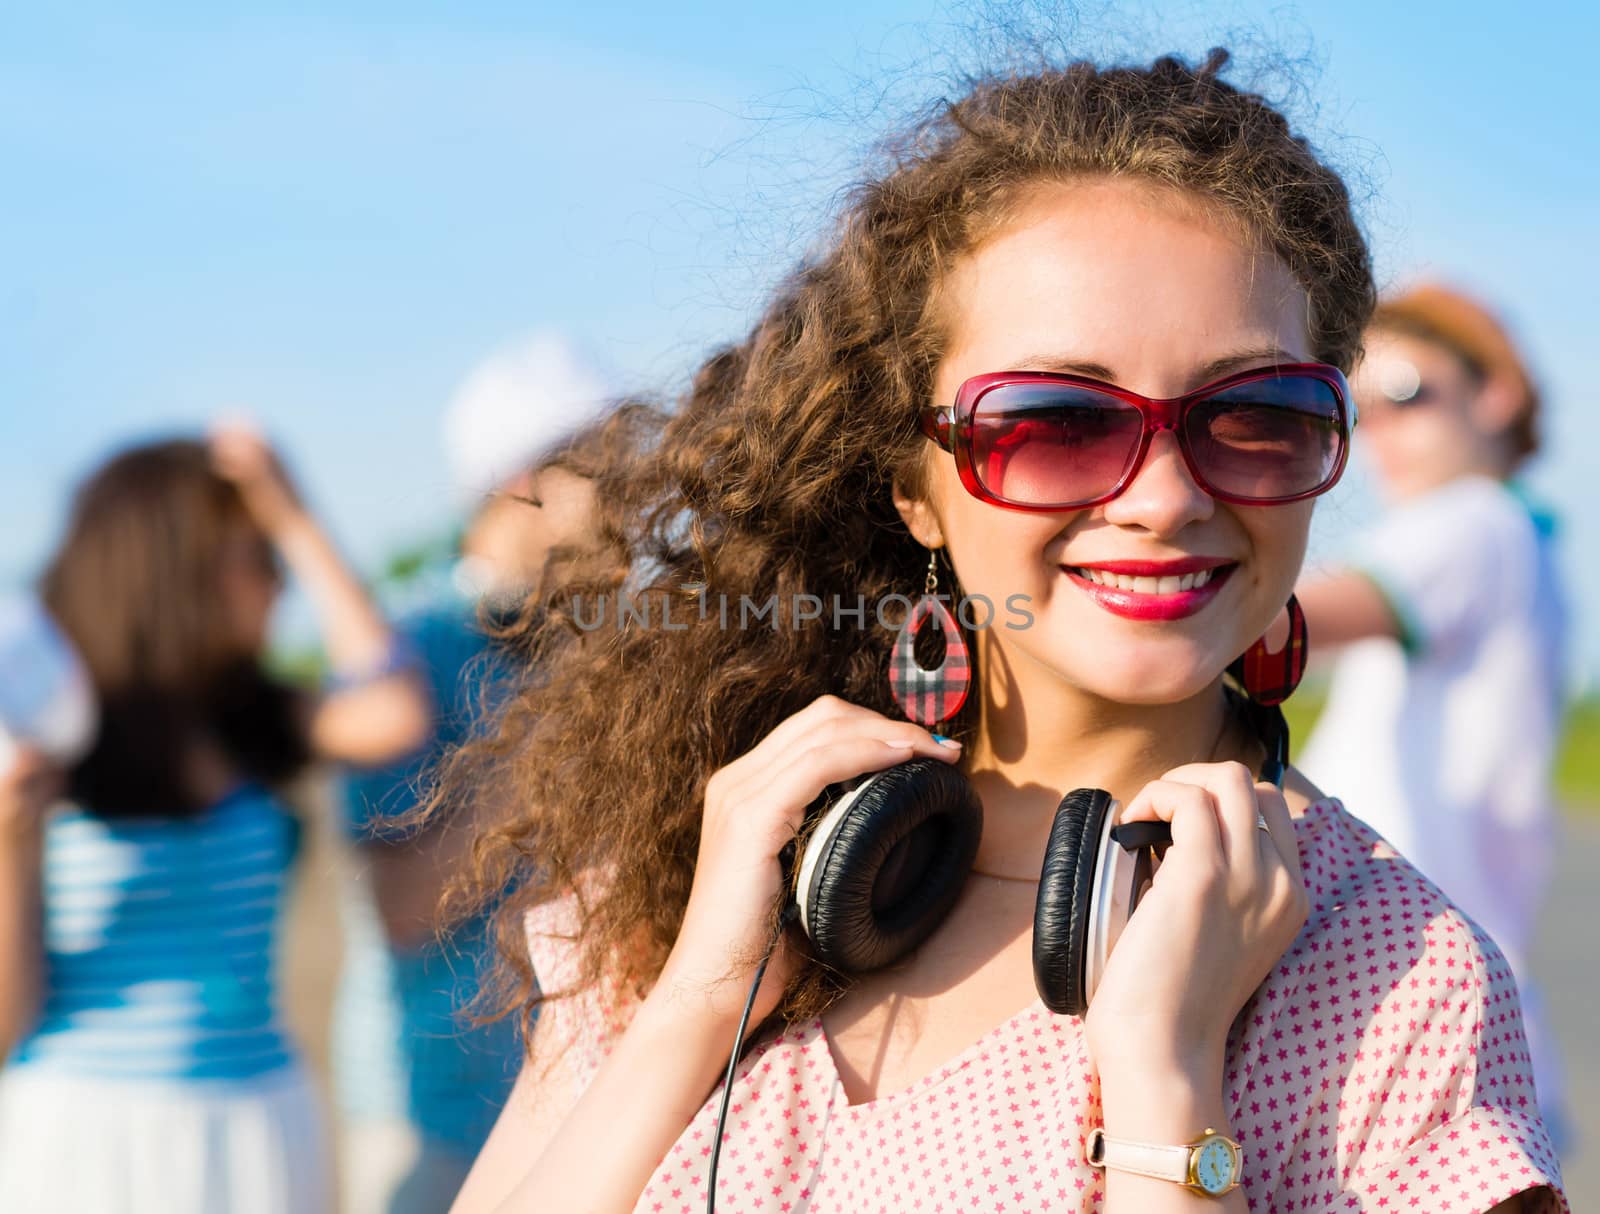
[(1173, 584)]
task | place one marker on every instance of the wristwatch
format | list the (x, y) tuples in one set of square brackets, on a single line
[(1210, 1165)]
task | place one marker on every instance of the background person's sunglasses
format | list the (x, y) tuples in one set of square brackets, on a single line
[(1397, 383), (1037, 440)]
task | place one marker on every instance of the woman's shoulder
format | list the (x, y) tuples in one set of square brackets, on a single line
[(1353, 872), (579, 1020), (1396, 960), (250, 822), (553, 928), (1404, 1016), (1478, 498), (1471, 514)]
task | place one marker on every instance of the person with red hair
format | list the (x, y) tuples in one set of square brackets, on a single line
[(1444, 713)]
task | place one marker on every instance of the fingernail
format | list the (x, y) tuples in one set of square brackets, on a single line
[(944, 741)]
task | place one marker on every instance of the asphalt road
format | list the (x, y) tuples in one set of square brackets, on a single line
[(1567, 964)]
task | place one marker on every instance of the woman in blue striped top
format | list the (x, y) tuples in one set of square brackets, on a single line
[(149, 1068)]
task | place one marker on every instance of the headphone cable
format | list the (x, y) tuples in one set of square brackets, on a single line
[(784, 920)]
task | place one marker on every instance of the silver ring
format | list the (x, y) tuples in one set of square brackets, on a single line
[(1261, 822)]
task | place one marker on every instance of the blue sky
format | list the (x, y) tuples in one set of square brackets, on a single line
[(330, 214)]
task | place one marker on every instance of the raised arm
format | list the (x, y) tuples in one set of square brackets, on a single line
[(1345, 607), (379, 710)]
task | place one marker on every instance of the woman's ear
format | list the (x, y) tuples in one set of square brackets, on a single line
[(918, 515), (1498, 405)]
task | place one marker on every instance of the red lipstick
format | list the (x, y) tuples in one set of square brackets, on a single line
[(1178, 566), (1150, 600)]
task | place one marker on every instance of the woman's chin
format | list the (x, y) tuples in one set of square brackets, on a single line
[(1151, 678), (1153, 692), (1152, 667), (1138, 680)]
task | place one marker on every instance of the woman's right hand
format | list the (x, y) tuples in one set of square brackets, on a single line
[(1226, 903), (242, 455), (753, 807)]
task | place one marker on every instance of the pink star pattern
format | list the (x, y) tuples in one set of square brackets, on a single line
[(1381, 1067)]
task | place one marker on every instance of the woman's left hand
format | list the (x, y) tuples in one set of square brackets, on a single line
[(241, 455), (1227, 901), (29, 784)]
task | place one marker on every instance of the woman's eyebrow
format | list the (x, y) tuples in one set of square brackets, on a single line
[(1067, 364), (1218, 367)]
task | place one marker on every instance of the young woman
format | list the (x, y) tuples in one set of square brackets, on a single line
[(151, 1069), (1080, 343)]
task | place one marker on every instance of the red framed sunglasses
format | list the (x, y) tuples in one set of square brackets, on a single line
[(1038, 440)]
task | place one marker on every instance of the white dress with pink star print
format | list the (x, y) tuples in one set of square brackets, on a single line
[(1381, 1067)]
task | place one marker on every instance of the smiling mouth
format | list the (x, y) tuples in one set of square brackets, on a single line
[(1146, 593), (1169, 584)]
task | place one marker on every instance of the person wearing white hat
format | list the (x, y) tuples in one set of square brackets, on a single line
[(518, 406), (418, 1090)]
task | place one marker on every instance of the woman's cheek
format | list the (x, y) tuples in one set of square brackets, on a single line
[(1279, 537)]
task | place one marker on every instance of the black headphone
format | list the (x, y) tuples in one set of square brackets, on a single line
[(885, 857)]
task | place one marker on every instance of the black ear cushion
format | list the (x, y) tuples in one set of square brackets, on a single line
[(894, 866), (1066, 888)]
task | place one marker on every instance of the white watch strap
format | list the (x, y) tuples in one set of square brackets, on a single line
[(1142, 1158)]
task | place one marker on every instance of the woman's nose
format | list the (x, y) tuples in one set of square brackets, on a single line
[(1163, 497)]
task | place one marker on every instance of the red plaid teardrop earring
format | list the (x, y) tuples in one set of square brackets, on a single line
[(929, 695), (1270, 678)]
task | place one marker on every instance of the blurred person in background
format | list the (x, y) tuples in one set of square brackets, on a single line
[(1444, 712), (149, 1066), (418, 1086)]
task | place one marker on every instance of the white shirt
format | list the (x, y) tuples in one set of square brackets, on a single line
[(1444, 741)]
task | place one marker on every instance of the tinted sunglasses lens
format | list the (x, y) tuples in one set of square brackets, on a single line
[(1268, 439), (1052, 444)]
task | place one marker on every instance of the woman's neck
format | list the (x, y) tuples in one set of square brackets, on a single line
[(1024, 762)]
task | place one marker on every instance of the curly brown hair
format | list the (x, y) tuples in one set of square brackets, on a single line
[(773, 477)]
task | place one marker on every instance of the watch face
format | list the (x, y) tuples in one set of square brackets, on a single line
[(1213, 1167)]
